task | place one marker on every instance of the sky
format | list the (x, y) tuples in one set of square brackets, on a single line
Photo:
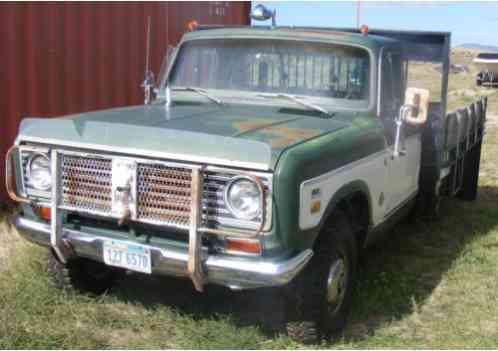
[(469, 22)]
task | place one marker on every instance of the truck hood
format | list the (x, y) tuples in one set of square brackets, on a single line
[(245, 136)]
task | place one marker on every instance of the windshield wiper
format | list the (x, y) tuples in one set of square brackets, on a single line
[(298, 100), (200, 92)]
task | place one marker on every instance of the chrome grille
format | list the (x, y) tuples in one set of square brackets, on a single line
[(163, 190), (164, 194), (86, 183)]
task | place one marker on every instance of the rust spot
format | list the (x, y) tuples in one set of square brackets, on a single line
[(245, 126), (278, 135), (284, 136)]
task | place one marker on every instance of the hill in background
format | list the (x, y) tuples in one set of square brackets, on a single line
[(479, 47)]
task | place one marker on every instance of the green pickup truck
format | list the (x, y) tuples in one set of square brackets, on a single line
[(265, 157)]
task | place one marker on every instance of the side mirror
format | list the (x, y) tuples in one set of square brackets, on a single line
[(414, 112), (415, 109)]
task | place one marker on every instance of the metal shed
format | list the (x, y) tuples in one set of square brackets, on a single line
[(60, 58)]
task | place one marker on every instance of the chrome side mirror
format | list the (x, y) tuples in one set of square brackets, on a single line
[(262, 13), (414, 112), (418, 100)]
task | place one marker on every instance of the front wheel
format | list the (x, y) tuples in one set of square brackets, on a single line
[(81, 274), (319, 299)]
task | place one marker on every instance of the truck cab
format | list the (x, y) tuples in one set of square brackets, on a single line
[(267, 158)]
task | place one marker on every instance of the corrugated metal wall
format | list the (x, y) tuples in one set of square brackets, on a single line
[(59, 58)]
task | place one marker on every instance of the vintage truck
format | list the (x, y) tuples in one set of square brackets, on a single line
[(265, 157)]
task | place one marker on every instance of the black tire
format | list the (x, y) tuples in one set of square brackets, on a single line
[(309, 315), (478, 82), (81, 274)]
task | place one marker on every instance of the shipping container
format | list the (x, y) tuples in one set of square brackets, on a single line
[(60, 58)]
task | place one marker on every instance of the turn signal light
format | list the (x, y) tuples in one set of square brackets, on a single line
[(243, 245), (43, 212)]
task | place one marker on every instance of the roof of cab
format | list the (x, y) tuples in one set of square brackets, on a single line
[(293, 33)]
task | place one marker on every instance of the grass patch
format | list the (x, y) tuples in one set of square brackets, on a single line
[(428, 285)]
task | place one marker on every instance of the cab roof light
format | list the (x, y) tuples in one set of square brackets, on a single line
[(192, 25)]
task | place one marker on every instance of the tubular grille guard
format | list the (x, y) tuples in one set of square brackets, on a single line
[(10, 178), (162, 191)]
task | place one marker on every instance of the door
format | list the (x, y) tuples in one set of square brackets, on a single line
[(404, 169)]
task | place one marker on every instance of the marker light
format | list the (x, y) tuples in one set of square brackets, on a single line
[(192, 25), (243, 245), (43, 212), (364, 29)]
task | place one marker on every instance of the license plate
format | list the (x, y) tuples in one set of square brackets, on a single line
[(134, 257)]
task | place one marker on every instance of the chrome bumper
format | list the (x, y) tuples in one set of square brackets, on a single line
[(233, 272)]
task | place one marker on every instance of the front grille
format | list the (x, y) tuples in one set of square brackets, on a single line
[(163, 190), (164, 194), (86, 183)]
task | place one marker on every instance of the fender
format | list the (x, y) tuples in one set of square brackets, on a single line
[(345, 192)]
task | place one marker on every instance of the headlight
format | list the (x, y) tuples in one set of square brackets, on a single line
[(39, 175), (243, 198)]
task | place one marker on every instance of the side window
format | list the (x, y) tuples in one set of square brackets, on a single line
[(387, 98), (398, 80)]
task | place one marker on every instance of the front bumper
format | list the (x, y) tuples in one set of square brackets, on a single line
[(233, 272)]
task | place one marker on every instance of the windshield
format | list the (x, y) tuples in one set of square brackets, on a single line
[(337, 72)]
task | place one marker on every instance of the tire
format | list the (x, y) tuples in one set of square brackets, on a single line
[(81, 274), (310, 314)]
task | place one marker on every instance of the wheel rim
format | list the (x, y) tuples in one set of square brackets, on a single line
[(336, 284)]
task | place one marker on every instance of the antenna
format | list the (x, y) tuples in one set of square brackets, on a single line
[(358, 14), (148, 82), (147, 48)]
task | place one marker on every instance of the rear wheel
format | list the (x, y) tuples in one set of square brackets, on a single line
[(81, 274), (319, 299)]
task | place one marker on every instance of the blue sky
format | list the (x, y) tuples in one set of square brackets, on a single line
[(469, 22)]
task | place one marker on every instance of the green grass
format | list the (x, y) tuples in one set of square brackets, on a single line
[(429, 285)]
